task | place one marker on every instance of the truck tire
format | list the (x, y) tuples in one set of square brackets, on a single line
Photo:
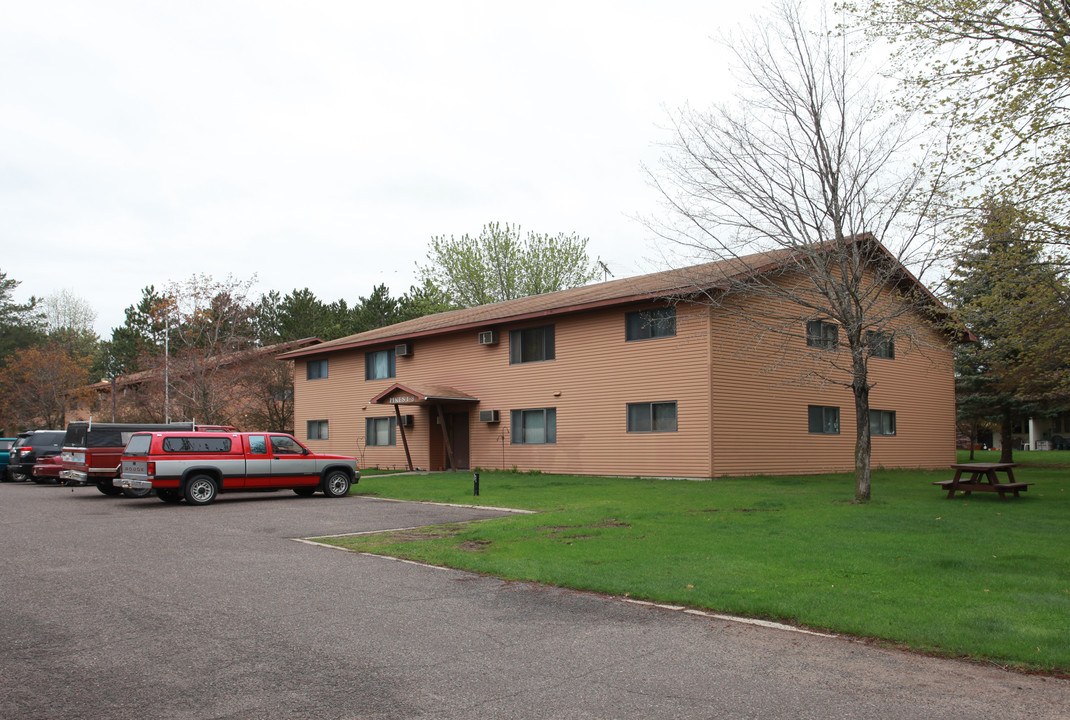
[(336, 484), (134, 493), (169, 496), (201, 490), (107, 488)]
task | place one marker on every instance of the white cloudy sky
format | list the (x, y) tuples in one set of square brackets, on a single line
[(322, 143)]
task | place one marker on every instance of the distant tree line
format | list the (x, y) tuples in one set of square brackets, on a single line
[(199, 349)]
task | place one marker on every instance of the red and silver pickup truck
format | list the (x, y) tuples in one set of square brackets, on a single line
[(92, 452), (197, 466)]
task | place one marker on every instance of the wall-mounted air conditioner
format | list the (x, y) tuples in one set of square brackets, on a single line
[(488, 337), (489, 416), (407, 420), (403, 350)]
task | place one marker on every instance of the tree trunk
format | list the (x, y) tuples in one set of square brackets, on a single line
[(862, 439), (1006, 429), (973, 437)]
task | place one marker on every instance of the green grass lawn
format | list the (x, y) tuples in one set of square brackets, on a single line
[(978, 577)]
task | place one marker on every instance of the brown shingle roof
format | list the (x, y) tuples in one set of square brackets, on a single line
[(615, 292)]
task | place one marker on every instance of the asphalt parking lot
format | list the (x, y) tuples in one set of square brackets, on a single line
[(117, 608)]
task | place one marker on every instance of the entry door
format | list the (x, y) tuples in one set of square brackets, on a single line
[(457, 427)]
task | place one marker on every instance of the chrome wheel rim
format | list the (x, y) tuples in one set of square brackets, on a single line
[(338, 484), (201, 490)]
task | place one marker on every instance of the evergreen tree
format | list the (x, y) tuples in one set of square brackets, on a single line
[(1014, 299)]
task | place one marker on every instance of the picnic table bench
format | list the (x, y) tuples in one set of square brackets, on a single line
[(983, 478)]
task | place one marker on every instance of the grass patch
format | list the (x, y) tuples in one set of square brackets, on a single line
[(977, 578), (1024, 458), (373, 471)]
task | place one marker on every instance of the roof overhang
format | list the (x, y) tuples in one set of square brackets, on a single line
[(398, 394)]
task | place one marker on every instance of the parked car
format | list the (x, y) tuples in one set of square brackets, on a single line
[(28, 448), (197, 466), (92, 452), (47, 469), (5, 453)]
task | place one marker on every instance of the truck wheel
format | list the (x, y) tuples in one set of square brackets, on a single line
[(169, 496), (107, 488), (304, 491), (336, 484), (201, 490), (135, 493)]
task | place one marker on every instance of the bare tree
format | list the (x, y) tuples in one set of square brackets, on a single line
[(69, 322), (210, 327), (815, 200)]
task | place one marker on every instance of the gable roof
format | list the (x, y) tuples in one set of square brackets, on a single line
[(588, 297), (652, 287)]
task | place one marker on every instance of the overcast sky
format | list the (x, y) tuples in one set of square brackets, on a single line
[(321, 144)]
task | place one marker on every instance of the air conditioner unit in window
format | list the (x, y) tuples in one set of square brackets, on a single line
[(403, 350), (489, 416), (407, 420), (488, 337)]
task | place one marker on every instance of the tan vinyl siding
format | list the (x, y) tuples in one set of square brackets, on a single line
[(595, 374), (762, 389), (741, 393)]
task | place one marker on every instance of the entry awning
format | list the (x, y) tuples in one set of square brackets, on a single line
[(398, 394)]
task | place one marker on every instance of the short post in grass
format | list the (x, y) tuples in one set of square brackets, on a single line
[(475, 485)]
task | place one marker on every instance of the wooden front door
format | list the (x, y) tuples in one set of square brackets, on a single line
[(457, 429)]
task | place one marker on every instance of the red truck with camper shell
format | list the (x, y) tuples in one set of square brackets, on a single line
[(92, 451), (197, 466)]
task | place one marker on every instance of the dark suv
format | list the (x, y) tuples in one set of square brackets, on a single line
[(30, 446)]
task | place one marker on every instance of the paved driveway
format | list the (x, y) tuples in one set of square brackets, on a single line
[(115, 608)]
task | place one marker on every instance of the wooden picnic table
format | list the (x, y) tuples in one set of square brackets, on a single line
[(983, 478)]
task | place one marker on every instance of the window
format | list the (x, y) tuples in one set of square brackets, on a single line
[(881, 344), (531, 344), (824, 420), (196, 445), (316, 369), (882, 422), (534, 427), (652, 417), (381, 431), (317, 430), (138, 445), (822, 334), (286, 445), (379, 365), (258, 444), (645, 324)]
